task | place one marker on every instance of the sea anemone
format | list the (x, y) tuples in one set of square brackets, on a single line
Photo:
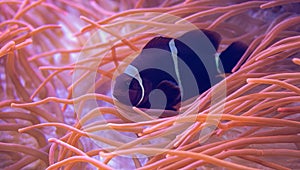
[(59, 60)]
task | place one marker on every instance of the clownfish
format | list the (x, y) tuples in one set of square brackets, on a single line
[(180, 68)]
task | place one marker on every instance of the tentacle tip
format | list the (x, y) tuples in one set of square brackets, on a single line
[(280, 109), (175, 145), (81, 31), (63, 109), (21, 130), (136, 109), (83, 17), (263, 6), (249, 80), (32, 97), (51, 139), (146, 131), (13, 105), (296, 60)]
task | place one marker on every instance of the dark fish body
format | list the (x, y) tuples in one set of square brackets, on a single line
[(232, 55), (181, 68)]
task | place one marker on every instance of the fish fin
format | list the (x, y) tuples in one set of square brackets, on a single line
[(172, 92), (232, 55), (159, 42), (214, 37)]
